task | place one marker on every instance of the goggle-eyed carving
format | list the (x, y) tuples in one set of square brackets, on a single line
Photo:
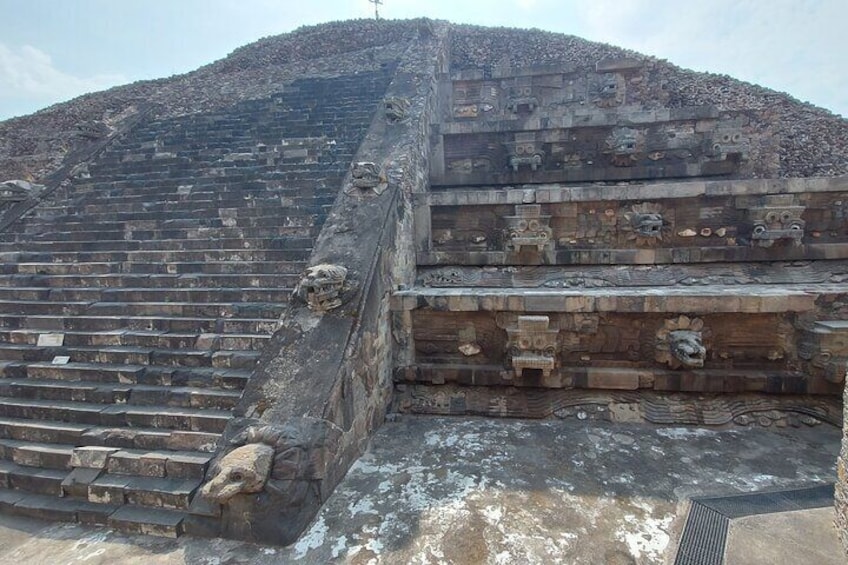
[(532, 344), (528, 228)]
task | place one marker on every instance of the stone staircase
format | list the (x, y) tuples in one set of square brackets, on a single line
[(136, 302)]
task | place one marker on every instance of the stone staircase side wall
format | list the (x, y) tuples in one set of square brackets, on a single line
[(324, 383), (842, 481)]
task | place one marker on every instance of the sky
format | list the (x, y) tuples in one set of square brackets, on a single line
[(54, 50)]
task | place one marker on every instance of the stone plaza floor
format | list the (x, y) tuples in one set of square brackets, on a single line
[(500, 492)]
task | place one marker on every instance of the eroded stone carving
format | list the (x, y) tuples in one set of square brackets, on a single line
[(244, 470), (729, 142), (528, 228), (532, 344), (396, 109), (625, 146), (609, 91), (93, 130), (321, 286), (269, 483), (679, 343), (824, 348), (522, 100), (525, 152), (644, 224), (368, 176), (18, 190), (774, 223)]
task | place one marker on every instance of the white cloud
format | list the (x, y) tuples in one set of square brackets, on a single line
[(26, 72)]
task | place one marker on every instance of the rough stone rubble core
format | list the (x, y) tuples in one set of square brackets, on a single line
[(468, 230)]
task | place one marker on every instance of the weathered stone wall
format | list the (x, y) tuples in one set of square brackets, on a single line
[(841, 491), (807, 140), (325, 382)]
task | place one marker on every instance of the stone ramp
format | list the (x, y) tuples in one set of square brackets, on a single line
[(136, 302)]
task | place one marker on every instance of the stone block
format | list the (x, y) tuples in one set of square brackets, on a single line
[(133, 463), (149, 521), (77, 482), (612, 379), (91, 457)]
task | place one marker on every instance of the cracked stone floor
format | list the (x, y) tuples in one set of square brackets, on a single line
[(500, 492)]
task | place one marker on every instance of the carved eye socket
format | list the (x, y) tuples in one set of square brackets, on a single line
[(759, 229), (717, 148), (725, 138), (539, 342), (522, 225), (520, 150), (737, 137), (771, 217), (786, 216), (236, 476), (526, 91), (795, 226), (524, 343), (534, 225)]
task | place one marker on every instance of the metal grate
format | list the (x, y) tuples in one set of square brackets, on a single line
[(705, 532)]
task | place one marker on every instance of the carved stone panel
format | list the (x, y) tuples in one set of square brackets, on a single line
[(777, 218), (525, 151), (528, 228), (824, 350), (532, 344)]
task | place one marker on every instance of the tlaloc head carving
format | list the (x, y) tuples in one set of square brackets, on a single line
[(321, 286), (771, 224)]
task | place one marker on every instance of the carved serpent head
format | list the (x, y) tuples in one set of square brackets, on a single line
[(244, 470), (687, 347), (281, 460)]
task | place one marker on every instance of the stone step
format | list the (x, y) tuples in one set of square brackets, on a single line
[(104, 393), (31, 479), (179, 256), (284, 280), (130, 294), (45, 507), (269, 310), (151, 339), (237, 214), (102, 244), (87, 435), (148, 203), (75, 223), (158, 417), (203, 377), (170, 267), (140, 323), (143, 491), (150, 231), (32, 454)]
